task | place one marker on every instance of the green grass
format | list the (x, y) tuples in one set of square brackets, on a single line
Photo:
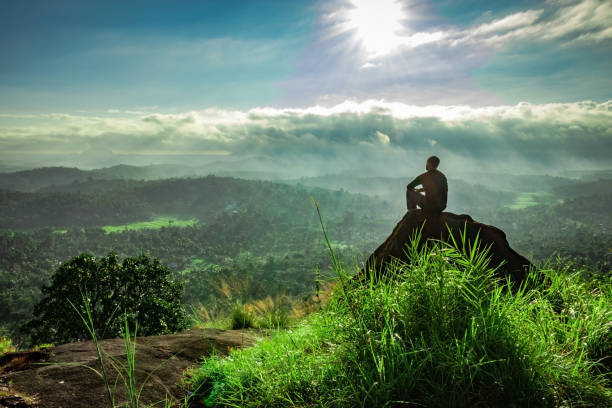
[(524, 200), (157, 223), (195, 263), (198, 262), (6, 345), (442, 332)]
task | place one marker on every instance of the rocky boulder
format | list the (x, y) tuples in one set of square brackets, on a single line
[(62, 376), (440, 227)]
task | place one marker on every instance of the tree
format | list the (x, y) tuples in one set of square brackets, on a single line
[(138, 287)]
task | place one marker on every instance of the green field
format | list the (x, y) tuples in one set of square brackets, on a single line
[(195, 263), (157, 223), (524, 200)]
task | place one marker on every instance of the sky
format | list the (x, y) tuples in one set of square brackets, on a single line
[(307, 87)]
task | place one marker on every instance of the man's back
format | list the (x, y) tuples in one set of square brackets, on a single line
[(436, 189)]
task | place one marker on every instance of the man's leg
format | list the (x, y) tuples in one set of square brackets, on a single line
[(413, 199)]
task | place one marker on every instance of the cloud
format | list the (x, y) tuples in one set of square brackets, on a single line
[(584, 21), (434, 61), (383, 138), (386, 136)]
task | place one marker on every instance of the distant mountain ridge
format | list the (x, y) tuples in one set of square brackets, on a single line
[(45, 177), (115, 202), (51, 178), (32, 180)]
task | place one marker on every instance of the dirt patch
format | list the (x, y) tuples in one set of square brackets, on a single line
[(63, 378), (21, 360)]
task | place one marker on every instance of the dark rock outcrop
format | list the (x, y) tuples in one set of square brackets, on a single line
[(439, 227), (62, 380)]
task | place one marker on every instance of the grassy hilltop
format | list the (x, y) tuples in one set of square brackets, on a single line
[(442, 333)]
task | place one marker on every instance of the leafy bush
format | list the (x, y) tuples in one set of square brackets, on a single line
[(442, 332), (138, 287)]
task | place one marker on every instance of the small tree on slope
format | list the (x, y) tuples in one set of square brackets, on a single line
[(138, 287)]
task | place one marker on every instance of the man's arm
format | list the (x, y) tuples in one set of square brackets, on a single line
[(414, 183)]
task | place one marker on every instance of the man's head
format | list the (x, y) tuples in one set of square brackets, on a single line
[(432, 163)]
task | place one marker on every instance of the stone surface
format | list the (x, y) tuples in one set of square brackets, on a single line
[(60, 377), (440, 226)]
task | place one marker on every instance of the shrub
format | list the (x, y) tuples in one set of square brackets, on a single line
[(138, 287)]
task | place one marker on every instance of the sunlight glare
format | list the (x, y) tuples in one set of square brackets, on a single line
[(377, 24)]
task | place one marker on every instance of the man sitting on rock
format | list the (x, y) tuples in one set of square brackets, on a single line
[(435, 188)]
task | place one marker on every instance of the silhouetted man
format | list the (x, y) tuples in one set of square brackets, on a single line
[(435, 188)]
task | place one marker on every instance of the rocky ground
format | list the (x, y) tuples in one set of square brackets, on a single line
[(62, 376)]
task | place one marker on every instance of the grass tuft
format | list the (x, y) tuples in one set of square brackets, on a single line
[(242, 317), (442, 332)]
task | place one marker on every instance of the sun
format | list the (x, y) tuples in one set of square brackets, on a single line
[(377, 24)]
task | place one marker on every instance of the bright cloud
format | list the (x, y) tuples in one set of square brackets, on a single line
[(555, 50), (380, 133), (585, 21)]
